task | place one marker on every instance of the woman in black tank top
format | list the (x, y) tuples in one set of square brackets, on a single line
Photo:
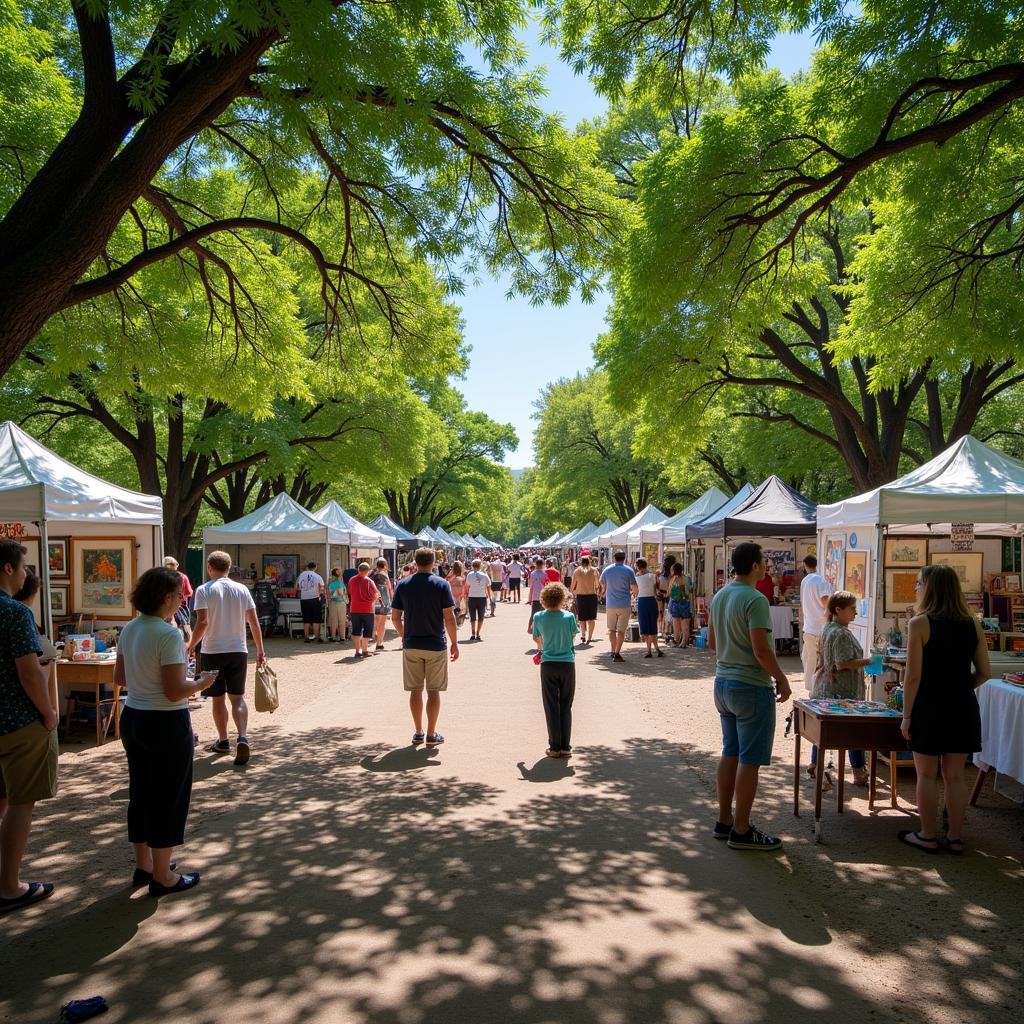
[(947, 660)]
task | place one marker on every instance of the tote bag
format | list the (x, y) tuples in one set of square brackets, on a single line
[(266, 688)]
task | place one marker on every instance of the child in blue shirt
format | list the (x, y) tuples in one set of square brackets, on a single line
[(553, 631)]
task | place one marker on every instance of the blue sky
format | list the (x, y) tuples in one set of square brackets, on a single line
[(519, 348)]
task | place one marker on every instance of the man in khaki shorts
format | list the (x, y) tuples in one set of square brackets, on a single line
[(28, 740), (618, 587), (423, 610)]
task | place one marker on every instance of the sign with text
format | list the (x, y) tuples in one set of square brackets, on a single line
[(962, 536)]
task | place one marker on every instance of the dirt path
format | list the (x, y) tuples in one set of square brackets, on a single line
[(347, 877)]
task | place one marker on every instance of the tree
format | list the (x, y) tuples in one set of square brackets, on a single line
[(133, 102), (915, 87), (704, 326), (585, 459), (462, 477)]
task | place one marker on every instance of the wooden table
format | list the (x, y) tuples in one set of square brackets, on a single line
[(832, 730), (96, 674)]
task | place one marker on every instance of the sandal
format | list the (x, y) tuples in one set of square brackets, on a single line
[(954, 846), (219, 747), (418, 738), (434, 739), (917, 841), (185, 881), (37, 891)]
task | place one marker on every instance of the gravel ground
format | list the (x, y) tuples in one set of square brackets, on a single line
[(349, 877)]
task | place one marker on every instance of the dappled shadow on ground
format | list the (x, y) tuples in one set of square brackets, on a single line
[(335, 889)]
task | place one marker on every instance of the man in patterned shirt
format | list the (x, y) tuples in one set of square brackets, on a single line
[(28, 738)]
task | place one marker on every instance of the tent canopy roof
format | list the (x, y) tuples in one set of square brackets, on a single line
[(693, 530), (37, 484), (774, 509), (647, 516), (359, 535), (674, 528), (385, 524), (573, 538), (282, 520), (968, 482), (592, 536)]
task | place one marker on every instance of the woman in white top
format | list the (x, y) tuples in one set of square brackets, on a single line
[(647, 607), (478, 589), (156, 731)]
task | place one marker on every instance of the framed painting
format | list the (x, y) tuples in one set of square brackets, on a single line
[(59, 599), (805, 548), (967, 564), (281, 570), (900, 591), (856, 579), (57, 552), (102, 576), (832, 567), (906, 552), (780, 562)]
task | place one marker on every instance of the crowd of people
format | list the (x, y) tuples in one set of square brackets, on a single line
[(947, 660)]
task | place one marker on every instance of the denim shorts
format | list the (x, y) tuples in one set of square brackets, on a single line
[(748, 720)]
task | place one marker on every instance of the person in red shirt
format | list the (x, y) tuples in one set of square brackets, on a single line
[(767, 586), (182, 617), (552, 574), (362, 596)]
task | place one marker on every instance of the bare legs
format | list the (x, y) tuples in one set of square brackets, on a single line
[(681, 632), (15, 823), (433, 709), (954, 789), (380, 623), (736, 782), (616, 640), (588, 628), (239, 712)]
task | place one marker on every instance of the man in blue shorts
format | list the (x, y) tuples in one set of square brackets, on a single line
[(745, 696)]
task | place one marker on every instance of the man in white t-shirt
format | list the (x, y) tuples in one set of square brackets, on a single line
[(515, 579), (814, 595), (223, 608), (495, 571), (311, 587), (478, 589)]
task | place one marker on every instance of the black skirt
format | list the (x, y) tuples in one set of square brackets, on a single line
[(586, 607)]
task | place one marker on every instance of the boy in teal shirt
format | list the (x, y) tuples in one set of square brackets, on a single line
[(554, 630)]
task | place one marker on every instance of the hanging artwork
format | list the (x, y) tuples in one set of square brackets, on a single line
[(857, 578), (282, 570), (906, 552), (900, 591), (59, 600), (57, 552), (780, 562), (832, 567), (966, 564), (102, 576)]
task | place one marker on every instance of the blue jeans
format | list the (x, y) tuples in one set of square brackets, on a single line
[(857, 759), (747, 713)]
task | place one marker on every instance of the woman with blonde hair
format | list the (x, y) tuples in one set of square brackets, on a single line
[(584, 591), (947, 660), (840, 671)]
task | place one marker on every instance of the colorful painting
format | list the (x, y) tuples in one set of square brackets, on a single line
[(906, 552), (968, 566), (780, 562), (281, 570), (57, 549), (849, 707), (103, 574), (59, 600), (832, 567), (900, 590), (857, 574)]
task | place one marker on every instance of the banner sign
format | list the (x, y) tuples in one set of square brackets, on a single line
[(962, 536)]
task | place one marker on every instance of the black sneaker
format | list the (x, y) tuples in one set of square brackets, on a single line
[(721, 831), (753, 839)]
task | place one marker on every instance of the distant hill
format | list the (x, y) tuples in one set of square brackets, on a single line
[(517, 473)]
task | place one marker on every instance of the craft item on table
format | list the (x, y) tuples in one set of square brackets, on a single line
[(831, 706), (1014, 678)]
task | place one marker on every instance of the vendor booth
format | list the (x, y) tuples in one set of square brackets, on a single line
[(362, 541), (782, 521), (87, 539), (386, 525), (627, 536), (669, 537)]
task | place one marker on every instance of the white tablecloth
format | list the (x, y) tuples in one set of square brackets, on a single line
[(1002, 734), (782, 622)]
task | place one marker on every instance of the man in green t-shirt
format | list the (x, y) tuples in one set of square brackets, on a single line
[(745, 696)]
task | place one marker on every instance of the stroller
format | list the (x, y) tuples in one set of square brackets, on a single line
[(266, 607)]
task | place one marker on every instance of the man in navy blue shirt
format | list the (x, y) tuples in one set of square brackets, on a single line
[(423, 610)]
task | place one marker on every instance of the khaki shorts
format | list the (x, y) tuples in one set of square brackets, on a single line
[(618, 620), (425, 668), (28, 764)]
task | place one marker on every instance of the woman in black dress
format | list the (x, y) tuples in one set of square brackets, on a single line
[(947, 660)]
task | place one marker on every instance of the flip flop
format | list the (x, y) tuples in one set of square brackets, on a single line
[(914, 839), (36, 892)]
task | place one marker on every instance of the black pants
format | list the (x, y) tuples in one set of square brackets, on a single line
[(477, 608), (535, 606), (557, 689), (160, 746)]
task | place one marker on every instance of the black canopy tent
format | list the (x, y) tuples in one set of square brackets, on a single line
[(773, 510)]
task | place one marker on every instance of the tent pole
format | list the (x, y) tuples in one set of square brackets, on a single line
[(44, 564)]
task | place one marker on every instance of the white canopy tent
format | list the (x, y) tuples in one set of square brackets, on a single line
[(359, 534), (281, 522), (967, 483), (624, 534), (673, 530), (572, 539), (41, 490), (591, 536)]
